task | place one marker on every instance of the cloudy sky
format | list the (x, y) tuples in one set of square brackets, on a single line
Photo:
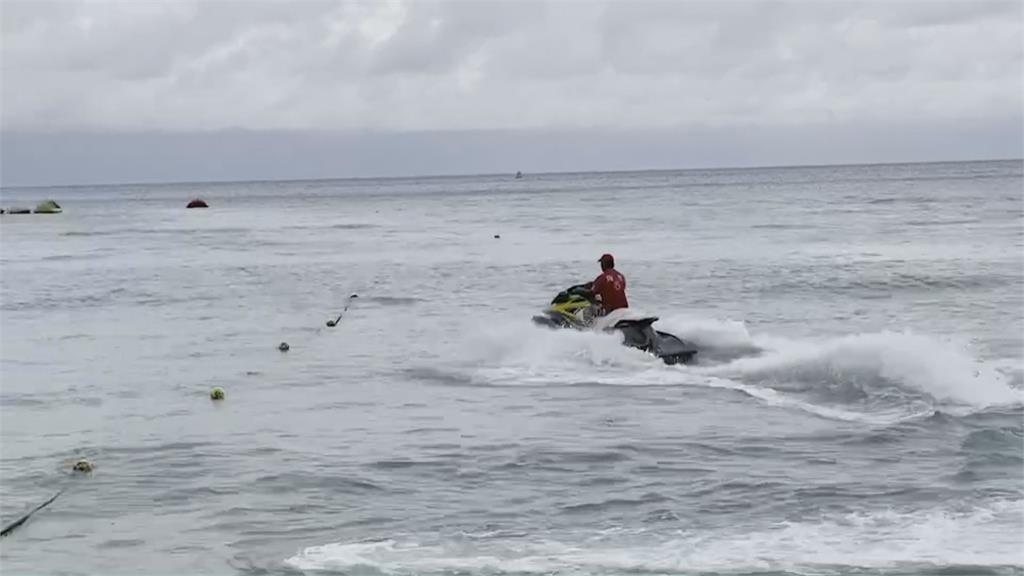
[(96, 91)]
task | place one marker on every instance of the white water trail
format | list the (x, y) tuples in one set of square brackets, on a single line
[(894, 367), (881, 539), (940, 369)]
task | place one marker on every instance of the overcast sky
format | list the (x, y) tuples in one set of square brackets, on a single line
[(188, 89)]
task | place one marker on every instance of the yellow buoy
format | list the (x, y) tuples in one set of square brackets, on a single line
[(83, 466)]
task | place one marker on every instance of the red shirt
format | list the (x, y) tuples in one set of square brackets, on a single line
[(611, 287)]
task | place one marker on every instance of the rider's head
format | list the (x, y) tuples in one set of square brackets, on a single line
[(607, 262)]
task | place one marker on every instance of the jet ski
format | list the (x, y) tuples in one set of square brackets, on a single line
[(575, 307)]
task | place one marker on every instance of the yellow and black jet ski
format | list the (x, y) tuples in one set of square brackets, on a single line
[(576, 307)]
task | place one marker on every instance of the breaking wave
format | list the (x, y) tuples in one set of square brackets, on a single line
[(877, 378), (928, 540), (890, 365)]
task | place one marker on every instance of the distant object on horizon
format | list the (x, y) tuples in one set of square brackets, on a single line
[(44, 207), (48, 207), (518, 175), (197, 203)]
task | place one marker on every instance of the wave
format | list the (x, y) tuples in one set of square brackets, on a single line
[(886, 365), (83, 234), (878, 378), (54, 300), (718, 340), (881, 282), (954, 222), (393, 300), (775, 398), (983, 537), (155, 231), (177, 231), (524, 346), (781, 226), (337, 226)]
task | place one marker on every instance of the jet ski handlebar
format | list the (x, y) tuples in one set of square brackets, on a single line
[(582, 290)]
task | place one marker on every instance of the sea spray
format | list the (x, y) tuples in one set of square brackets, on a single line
[(912, 362)]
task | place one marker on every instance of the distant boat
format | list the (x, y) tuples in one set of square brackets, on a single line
[(519, 175)]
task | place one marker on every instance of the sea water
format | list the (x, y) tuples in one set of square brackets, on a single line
[(855, 408)]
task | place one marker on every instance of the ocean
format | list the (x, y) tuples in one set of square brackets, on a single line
[(856, 406)]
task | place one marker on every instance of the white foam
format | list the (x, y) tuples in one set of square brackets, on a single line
[(874, 540), (709, 332), (776, 398), (532, 348), (940, 369), (510, 353)]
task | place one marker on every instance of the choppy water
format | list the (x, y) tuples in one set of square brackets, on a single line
[(857, 408)]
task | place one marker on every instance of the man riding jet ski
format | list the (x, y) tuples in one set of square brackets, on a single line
[(601, 305)]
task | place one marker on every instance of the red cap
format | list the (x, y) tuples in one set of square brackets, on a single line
[(607, 259)]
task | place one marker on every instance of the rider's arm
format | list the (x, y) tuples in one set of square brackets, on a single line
[(596, 286)]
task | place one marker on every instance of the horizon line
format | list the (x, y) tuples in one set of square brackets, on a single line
[(493, 174)]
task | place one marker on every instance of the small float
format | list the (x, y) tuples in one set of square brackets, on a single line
[(48, 207)]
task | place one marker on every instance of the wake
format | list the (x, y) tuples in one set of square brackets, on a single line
[(876, 378)]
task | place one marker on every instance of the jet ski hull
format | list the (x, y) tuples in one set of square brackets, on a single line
[(637, 333), (669, 347)]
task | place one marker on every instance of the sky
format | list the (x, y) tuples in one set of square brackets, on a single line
[(186, 90)]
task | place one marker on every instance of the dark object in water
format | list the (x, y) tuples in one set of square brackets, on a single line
[(19, 211), (497, 236), (197, 203), (571, 308), (10, 527), (333, 323), (83, 466), (284, 347)]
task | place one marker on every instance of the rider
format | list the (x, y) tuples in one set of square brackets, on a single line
[(610, 286)]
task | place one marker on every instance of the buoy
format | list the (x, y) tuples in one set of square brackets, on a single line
[(83, 466), (284, 347), (48, 207), (497, 235), (197, 203), (217, 394)]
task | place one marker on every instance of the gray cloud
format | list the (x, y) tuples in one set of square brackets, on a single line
[(750, 81), (204, 65)]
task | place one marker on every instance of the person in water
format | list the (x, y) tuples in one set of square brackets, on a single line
[(609, 286)]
